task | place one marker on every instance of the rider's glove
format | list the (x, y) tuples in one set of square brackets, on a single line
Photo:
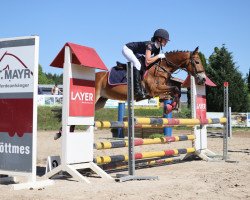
[(161, 55)]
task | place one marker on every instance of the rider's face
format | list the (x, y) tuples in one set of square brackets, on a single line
[(163, 42)]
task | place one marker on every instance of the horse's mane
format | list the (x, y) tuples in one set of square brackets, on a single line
[(177, 51)]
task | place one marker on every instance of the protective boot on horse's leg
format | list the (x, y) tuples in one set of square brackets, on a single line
[(138, 91)]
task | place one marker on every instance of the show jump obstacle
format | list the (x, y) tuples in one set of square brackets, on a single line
[(18, 105), (79, 64), (18, 111), (199, 121)]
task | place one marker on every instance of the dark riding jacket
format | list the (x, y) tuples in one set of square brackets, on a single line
[(139, 48)]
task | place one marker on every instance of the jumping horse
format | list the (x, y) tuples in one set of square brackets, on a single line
[(157, 80)]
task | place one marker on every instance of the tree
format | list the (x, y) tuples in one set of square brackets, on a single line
[(49, 78), (42, 78), (220, 69), (203, 59), (248, 80)]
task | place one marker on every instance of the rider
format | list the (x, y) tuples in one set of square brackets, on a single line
[(151, 50)]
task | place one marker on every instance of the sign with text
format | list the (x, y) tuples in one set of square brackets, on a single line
[(82, 98), (201, 107), (18, 75)]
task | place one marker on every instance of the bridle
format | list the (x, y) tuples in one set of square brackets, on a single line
[(178, 67)]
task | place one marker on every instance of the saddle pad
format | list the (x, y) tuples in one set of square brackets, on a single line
[(117, 77)]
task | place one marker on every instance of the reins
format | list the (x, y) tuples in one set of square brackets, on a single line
[(171, 68), (177, 67)]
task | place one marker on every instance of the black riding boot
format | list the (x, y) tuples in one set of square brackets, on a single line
[(138, 92)]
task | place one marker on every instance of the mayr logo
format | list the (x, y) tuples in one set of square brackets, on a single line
[(9, 74), (82, 96)]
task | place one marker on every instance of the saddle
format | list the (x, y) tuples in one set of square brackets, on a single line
[(118, 73)]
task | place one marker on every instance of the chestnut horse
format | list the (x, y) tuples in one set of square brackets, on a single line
[(157, 79)]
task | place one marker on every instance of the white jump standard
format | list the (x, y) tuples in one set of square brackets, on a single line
[(79, 64)]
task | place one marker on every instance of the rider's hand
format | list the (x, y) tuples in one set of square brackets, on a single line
[(161, 55)]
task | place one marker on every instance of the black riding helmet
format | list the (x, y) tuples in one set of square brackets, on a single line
[(160, 33)]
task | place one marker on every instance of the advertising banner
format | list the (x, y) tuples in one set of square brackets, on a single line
[(18, 88), (82, 97), (201, 107)]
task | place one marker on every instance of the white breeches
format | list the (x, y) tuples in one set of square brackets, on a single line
[(130, 56)]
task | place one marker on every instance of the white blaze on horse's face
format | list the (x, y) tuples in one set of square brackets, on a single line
[(201, 78)]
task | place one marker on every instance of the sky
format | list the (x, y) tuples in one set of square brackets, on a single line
[(107, 25)]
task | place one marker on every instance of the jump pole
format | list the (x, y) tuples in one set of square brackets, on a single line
[(226, 127)]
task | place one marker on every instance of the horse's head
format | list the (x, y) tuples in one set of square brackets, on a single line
[(188, 61), (195, 67)]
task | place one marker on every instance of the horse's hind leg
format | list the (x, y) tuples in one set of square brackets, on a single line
[(100, 103)]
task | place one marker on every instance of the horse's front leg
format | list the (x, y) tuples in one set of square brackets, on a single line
[(165, 91)]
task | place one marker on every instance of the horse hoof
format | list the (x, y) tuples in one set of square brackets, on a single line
[(57, 136)]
